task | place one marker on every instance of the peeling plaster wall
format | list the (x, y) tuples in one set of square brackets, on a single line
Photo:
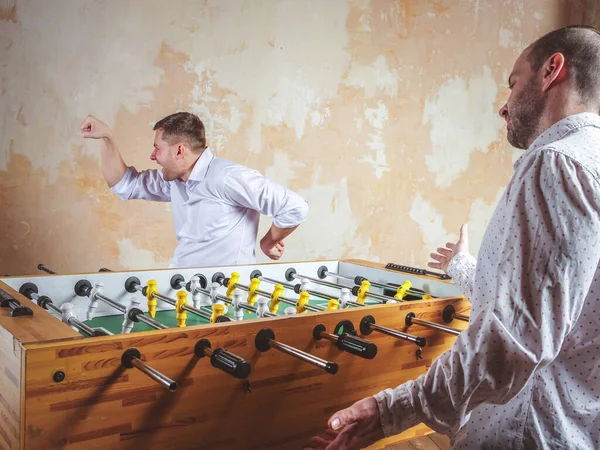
[(381, 113)]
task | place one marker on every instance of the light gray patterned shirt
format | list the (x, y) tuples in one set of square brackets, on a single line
[(525, 374)]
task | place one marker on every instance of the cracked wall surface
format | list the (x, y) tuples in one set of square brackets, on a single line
[(381, 113)]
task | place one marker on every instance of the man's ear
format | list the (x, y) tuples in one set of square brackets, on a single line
[(553, 71), (181, 151)]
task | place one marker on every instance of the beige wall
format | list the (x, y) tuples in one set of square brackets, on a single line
[(381, 113)]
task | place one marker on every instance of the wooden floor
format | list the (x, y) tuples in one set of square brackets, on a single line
[(431, 442)]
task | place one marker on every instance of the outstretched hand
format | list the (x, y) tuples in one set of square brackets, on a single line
[(444, 255), (352, 428)]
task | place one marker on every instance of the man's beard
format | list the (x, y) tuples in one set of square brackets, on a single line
[(525, 116)]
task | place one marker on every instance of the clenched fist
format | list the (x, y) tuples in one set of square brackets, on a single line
[(95, 129)]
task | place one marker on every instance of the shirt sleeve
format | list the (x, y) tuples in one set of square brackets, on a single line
[(145, 185), (462, 271), (248, 188), (549, 255)]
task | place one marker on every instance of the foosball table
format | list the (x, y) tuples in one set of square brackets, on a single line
[(245, 357)]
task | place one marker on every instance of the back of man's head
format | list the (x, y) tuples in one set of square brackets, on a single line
[(183, 126), (580, 45)]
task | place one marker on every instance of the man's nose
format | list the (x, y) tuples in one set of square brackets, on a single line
[(503, 111)]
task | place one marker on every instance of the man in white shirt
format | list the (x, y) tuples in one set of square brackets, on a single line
[(216, 204), (525, 374)]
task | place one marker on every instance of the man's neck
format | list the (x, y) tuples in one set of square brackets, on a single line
[(190, 168), (556, 111)]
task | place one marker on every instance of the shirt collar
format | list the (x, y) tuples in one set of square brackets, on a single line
[(201, 166), (559, 130)]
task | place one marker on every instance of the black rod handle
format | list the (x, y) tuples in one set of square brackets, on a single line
[(8, 301), (347, 342), (357, 346), (221, 359)]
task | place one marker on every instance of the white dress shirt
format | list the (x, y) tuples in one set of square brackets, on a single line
[(525, 374), (216, 211)]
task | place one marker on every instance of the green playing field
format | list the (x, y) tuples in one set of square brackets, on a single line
[(114, 323)]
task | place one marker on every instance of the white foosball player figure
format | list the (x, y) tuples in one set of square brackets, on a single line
[(67, 313), (198, 298), (97, 289), (127, 322), (261, 307), (344, 297), (238, 299)]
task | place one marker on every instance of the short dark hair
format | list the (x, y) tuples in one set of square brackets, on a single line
[(580, 45), (183, 126)]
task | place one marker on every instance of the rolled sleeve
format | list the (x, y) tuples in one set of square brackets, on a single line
[(293, 212), (249, 189), (144, 185), (396, 411)]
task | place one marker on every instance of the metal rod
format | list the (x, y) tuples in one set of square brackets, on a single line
[(330, 337), (297, 276), (287, 301), (43, 268), (151, 322), (306, 357), (381, 298), (154, 374), (111, 302), (337, 275), (413, 291), (459, 316), (53, 307), (81, 326), (328, 297), (437, 326), (313, 308), (395, 333), (273, 281), (291, 302)]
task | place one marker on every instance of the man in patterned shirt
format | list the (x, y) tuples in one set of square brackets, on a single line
[(524, 375)]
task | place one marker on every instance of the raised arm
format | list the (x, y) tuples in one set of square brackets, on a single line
[(125, 181), (113, 166)]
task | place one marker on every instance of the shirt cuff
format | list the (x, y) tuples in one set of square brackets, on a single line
[(396, 410), (462, 270)]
